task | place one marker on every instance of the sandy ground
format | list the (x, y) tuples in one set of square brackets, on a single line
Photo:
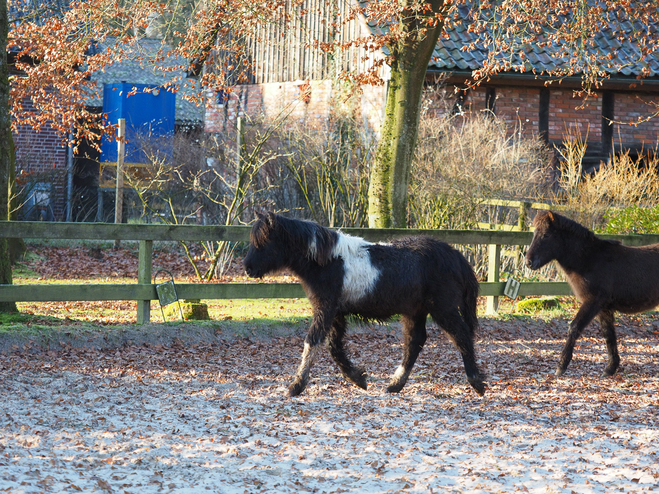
[(212, 417)]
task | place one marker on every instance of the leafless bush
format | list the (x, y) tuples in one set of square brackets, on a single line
[(461, 161), (206, 179), (329, 165), (622, 182)]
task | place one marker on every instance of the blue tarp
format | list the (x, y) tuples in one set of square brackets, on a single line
[(149, 112)]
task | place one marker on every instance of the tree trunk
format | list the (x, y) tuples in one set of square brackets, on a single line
[(6, 153), (389, 179)]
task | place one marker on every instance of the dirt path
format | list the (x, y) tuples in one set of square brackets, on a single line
[(212, 418)]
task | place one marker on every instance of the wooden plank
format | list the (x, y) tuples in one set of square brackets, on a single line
[(63, 293), (212, 291), (503, 228), (493, 274), (144, 271), (110, 231), (526, 289), (634, 240), (209, 291), (450, 236), (516, 204)]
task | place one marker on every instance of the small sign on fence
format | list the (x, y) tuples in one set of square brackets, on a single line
[(166, 292), (512, 288)]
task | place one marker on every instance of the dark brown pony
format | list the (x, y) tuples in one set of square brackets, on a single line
[(605, 276)]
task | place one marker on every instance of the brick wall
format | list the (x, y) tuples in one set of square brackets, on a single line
[(308, 102), (41, 158), (570, 114), (628, 109), (518, 107)]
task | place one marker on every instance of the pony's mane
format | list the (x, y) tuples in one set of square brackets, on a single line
[(312, 239), (544, 219)]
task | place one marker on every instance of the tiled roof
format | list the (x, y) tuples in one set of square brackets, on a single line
[(450, 53)]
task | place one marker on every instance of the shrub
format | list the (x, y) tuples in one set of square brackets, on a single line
[(632, 219), (462, 160)]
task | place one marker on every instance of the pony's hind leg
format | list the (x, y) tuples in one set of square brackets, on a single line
[(607, 324), (585, 315), (357, 375), (457, 329), (414, 337)]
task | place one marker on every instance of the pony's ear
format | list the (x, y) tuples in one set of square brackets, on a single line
[(550, 215), (271, 218)]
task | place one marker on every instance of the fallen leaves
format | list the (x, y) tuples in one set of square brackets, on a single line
[(83, 262), (214, 414)]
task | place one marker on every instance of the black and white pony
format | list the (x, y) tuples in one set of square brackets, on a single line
[(342, 275)]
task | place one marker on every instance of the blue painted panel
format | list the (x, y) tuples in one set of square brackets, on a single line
[(148, 110)]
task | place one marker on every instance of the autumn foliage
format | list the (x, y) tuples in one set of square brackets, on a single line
[(57, 50)]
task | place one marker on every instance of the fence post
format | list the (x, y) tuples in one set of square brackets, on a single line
[(493, 267), (144, 266), (522, 222), (119, 191)]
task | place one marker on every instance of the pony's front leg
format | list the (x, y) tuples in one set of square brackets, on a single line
[(356, 375), (607, 324), (414, 337), (312, 343), (585, 315)]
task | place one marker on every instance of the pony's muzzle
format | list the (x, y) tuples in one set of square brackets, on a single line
[(250, 272), (533, 263)]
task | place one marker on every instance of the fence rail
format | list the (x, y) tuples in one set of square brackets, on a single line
[(144, 291)]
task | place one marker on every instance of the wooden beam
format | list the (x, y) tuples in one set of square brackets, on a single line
[(213, 291), (109, 231), (144, 267)]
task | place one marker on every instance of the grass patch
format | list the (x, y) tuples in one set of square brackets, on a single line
[(536, 304), (266, 310), (13, 318), (528, 308)]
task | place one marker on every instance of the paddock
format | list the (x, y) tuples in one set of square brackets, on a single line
[(211, 416)]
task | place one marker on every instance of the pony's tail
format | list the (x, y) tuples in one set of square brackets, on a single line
[(470, 298)]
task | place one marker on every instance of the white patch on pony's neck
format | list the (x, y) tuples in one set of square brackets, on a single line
[(360, 275), (313, 249)]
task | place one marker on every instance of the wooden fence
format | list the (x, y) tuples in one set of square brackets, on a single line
[(523, 208), (144, 291)]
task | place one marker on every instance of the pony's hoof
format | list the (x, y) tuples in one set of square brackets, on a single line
[(295, 389), (610, 372), (559, 372), (359, 378), (478, 386), (395, 387)]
